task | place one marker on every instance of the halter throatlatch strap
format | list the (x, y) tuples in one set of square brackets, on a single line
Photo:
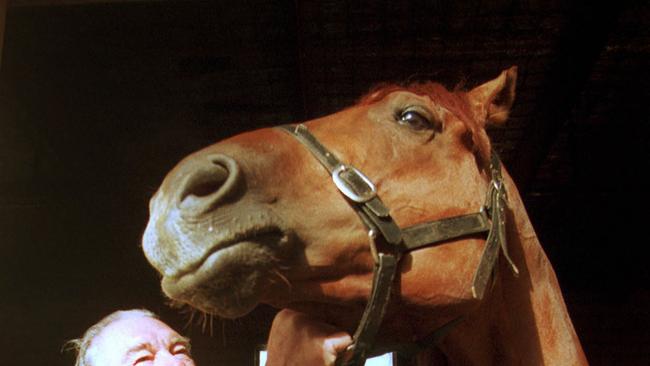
[(495, 204), (362, 195)]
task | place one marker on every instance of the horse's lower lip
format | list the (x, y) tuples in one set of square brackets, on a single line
[(260, 234), (178, 285)]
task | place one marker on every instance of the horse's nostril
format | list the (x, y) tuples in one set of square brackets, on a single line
[(205, 182), (211, 180)]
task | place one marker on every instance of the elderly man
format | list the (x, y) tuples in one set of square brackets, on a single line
[(132, 338), (138, 338)]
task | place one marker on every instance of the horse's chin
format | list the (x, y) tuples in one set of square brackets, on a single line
[(230, 281)]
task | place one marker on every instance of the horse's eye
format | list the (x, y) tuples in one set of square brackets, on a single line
[(414, 120)]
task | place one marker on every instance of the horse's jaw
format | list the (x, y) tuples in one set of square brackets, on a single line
[(522, 320)]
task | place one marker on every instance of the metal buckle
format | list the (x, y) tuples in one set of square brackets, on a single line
[(353, 184)]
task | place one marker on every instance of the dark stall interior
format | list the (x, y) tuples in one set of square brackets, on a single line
[(99, 99)]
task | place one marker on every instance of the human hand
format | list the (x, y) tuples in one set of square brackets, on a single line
[(297, 339)]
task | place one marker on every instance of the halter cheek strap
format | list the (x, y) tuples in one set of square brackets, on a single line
[(361, 193)]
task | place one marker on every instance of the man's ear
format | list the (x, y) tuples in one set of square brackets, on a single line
[(491, 101)]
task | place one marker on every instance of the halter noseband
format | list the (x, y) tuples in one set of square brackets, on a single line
[(394, 241)]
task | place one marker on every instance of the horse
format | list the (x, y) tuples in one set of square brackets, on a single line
[(395, 210)]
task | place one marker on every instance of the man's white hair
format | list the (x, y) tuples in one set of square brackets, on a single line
[(81, 345)]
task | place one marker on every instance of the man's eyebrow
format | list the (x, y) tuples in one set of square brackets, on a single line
[(182, 341), (138, 347)]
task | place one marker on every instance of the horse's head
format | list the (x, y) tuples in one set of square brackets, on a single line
[(256, 218)]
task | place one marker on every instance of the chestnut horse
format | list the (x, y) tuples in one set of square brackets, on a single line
[(256, 218)]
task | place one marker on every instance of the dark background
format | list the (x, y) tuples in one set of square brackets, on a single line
[(99, 99)]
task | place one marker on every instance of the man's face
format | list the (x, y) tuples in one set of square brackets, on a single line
[(139, 341)]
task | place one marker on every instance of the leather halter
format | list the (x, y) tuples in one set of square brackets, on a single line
[(388, 241)]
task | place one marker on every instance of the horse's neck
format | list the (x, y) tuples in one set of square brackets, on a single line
[(522, 320)]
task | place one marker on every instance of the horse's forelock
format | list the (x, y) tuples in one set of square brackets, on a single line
[(455, 102)]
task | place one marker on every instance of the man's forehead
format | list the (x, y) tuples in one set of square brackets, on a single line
[(138, 327)]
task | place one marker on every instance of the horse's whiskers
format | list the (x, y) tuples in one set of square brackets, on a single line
[(190, 318), (283, 278), (204, 321)]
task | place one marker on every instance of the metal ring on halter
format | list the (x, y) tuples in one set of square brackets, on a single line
[(353, 184)]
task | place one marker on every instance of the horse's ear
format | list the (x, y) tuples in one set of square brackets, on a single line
[(492, 100)]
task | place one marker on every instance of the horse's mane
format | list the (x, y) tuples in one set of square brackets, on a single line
[(454, 101)]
